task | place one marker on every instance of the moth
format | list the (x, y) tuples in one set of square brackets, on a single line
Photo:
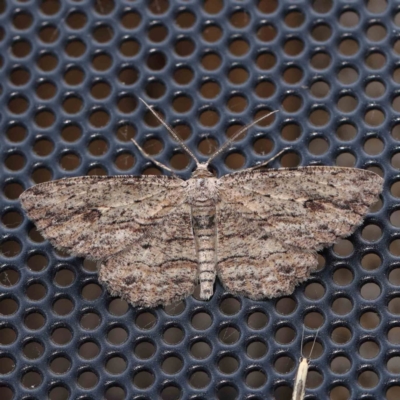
[(156, 237), (299, 386)]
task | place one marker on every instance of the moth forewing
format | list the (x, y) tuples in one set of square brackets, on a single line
[(299, 387)]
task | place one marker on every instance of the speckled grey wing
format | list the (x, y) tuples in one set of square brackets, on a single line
[(271, 223), (160, 267), (139, 227), (96, 216)]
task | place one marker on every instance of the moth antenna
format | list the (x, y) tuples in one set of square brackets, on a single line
[(315, 339), (161, 165), (171, 131), (237, 134), (302, 340)]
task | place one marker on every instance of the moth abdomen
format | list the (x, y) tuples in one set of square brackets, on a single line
[(204, 229)]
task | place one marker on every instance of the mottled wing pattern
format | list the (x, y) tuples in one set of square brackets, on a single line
[(139, 226), (251, 263), (271, 223), (96, 216), (160, 267)]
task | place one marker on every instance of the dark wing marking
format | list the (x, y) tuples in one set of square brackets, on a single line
[(271, 223), (96, 216), (160, 267)]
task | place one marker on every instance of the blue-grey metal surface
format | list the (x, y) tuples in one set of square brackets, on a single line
[(71, 73)]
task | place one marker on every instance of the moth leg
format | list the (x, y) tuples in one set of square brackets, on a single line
[(263, 164), (159, 164)]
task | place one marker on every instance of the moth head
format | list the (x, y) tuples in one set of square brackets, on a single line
[(202, 171)]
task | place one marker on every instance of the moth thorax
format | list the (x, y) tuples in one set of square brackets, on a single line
[(203, 192)]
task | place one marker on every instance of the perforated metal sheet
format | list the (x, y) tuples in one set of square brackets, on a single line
[(71, 72)]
